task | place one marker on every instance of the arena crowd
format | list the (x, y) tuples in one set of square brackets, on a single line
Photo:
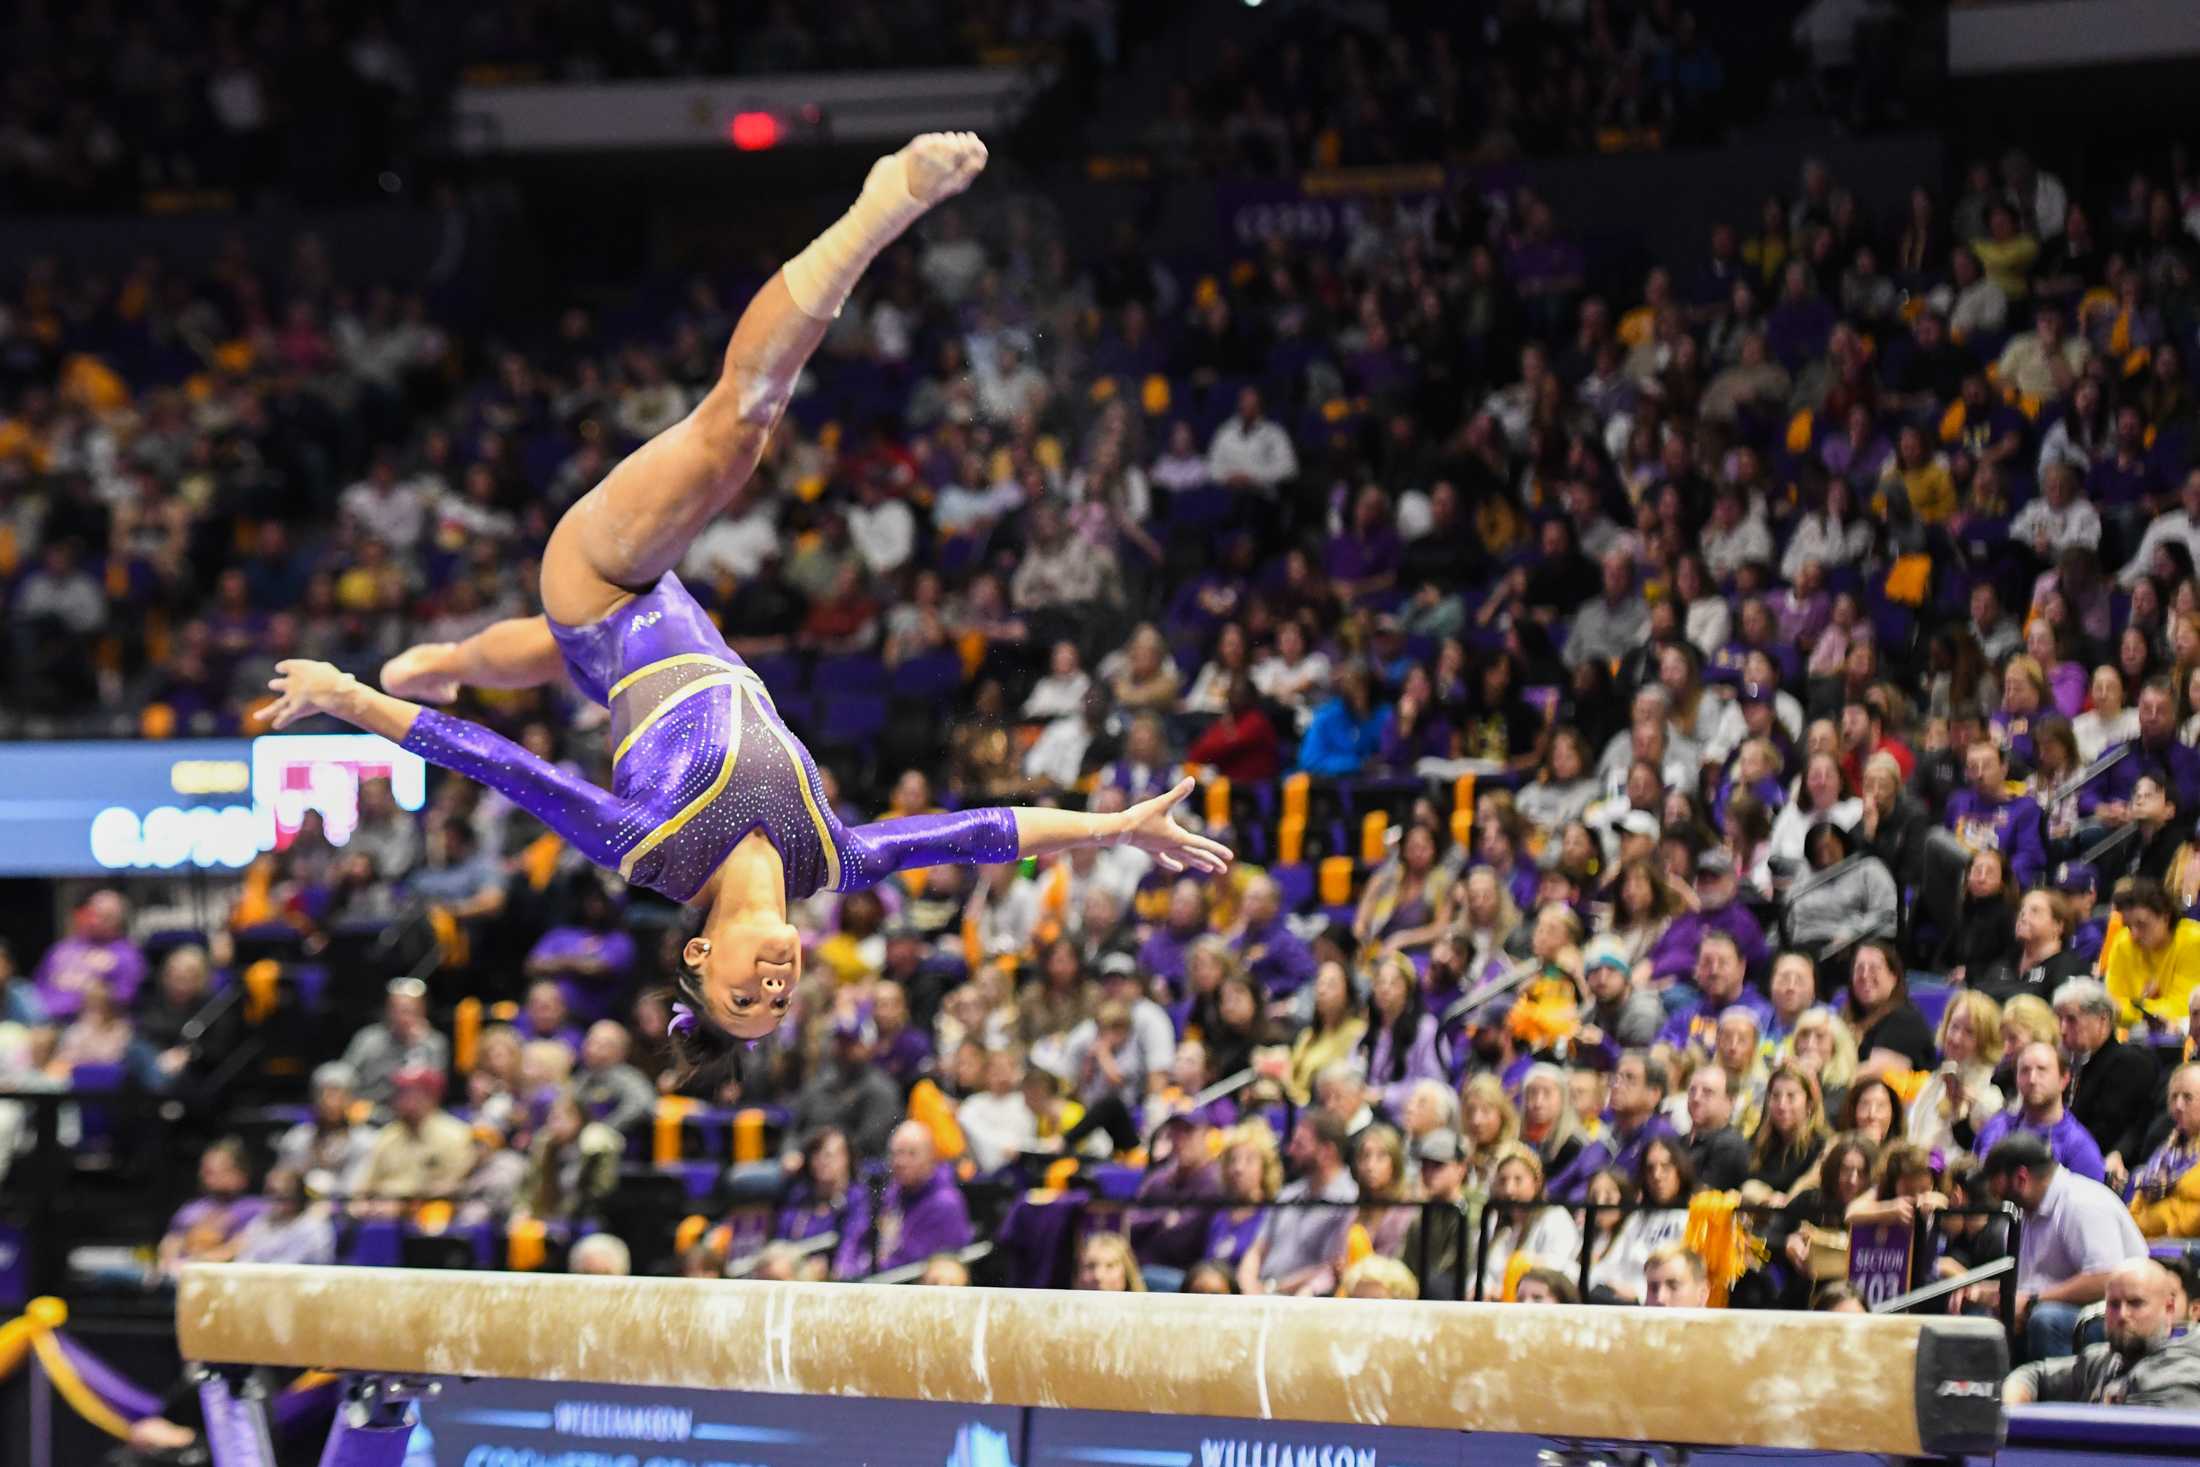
[(1734, 733)]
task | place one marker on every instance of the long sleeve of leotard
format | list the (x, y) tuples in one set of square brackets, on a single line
[(600, 825), (871, 853)]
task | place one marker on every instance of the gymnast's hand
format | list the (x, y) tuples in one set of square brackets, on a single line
[(421, 674), (1151, 826), (307, 688)]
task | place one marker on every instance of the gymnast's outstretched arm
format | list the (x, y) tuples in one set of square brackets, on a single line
[(870, 853), (600, 825), (518, 653)]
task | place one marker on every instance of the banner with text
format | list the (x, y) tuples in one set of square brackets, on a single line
[(528, 1424)]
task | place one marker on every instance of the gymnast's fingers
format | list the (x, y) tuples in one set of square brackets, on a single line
[(1167, 862)]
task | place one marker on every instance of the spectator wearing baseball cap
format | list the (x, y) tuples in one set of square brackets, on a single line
[(1620, 1016), (848, 1091), (1433, 1240), (2080, 885), (1168, 1239)]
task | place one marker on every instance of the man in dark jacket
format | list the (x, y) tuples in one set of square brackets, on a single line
[(1431, 1247), (1718, 1153), (848, 1091), (2112, 1084)]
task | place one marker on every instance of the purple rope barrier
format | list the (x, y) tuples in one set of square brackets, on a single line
[(129, 1399)]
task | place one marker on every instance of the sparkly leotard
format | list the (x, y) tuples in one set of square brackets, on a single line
[(701, 758)]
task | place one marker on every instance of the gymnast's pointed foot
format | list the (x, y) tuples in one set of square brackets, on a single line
[(422, 674), (936, 166)]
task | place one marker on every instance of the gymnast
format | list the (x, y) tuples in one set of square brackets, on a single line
[(714, 802)]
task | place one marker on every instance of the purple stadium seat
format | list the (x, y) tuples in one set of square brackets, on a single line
[(934, 675)]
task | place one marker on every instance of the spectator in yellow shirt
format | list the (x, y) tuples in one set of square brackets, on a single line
[(2007, 253), (1923, 475), (2153, 968), (2165, 1197)]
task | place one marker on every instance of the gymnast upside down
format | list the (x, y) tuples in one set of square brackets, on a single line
[(714, 802)]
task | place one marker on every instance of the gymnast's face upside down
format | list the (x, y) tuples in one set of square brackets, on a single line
[(744, 973)]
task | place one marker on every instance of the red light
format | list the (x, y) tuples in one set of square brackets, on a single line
[(752, 132)]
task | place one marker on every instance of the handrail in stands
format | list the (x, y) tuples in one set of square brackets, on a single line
[(742, 1267), (908, 1273), (1222, 1089), (1941, 1288), (1489, 992)]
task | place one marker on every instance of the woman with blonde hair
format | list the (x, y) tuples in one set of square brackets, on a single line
[(1548, 1125), (1486, 918), (1960, 1097), (1489, 1122), (1252, 1175), (1106, 1264), (1824, 1048), (2024, 701), (2025, 1019), (1526, 1223)]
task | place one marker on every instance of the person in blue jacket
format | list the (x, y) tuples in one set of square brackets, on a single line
[(1344, 732)]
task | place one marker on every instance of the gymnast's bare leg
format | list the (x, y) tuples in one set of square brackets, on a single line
[(629, 530)]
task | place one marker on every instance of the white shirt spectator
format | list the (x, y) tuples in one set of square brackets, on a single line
[(1981, 308), (2081, 1228), (1791, 828), (1727, 551), (1261, 452), (2075, 526), (1058, 696), (2179, 526), (736, 548), (395, 514), (1057, 756), (999, 1128), (884, 534), (73, 599), (959, 509), (2095, 735), (1818, 538), (1710, 623), (1298, 685)]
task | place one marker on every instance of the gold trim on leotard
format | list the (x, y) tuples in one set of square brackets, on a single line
[(671, 701), (694, 807), (684, 659)]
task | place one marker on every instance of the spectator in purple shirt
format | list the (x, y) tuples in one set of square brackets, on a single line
[(545, 1016), (920, 1211), (1673, 959), (903, 1050), (1721, 982), (1987, 817), (590, 957), (290, 1229), (2107, 799), (1271, 951), (2040, 1111), (205, 1229), (1169, 1237), (1399, 1049), (1163, 952), (1363, 561), (1632, 1121), (94, 948)]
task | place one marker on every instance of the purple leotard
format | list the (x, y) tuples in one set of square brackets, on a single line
[(700, 759)]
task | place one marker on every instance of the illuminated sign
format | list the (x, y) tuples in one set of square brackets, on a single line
[(83, 809)]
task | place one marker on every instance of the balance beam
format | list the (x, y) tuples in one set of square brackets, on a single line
[(1859, 1383)]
